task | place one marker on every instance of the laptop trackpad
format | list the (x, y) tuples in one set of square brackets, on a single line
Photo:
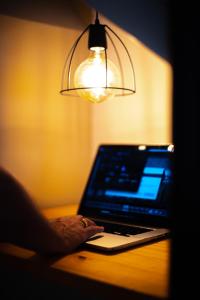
[(109, 240)]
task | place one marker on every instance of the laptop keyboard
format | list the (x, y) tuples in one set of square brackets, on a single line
[(121, 229)]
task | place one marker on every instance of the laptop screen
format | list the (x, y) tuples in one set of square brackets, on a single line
[(130, 184)]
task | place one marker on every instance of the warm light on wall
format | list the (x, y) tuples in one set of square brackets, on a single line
[(97, 78), (45, 140)]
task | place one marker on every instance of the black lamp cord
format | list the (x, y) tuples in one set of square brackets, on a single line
[(97, 18)]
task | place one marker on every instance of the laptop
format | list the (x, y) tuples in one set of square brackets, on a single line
[(128, 192)]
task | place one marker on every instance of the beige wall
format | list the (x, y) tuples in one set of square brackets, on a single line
[(47, 140), (45, 137)]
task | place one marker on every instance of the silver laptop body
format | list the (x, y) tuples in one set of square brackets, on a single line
[(128, 192)]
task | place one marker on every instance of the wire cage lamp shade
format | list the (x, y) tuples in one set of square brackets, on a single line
[(100, 71)]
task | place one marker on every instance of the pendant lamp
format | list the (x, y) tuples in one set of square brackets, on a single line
[(98, 66)]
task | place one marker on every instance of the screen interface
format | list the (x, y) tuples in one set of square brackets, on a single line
[(129, 181)]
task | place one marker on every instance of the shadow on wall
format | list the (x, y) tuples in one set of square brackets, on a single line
[(47, 11), (146, 20)]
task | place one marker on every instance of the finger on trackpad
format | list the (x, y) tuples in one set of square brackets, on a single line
[(93, 238)]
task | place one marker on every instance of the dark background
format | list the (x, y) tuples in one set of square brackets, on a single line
[(185, 251)]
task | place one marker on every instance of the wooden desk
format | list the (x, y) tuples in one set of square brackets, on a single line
[(139, 273)]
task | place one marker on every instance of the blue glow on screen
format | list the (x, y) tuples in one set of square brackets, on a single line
[(148, 189), (153, 170), (157, 150)]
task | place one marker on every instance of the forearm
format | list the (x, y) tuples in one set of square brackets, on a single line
[(22, 223), (35, 233)]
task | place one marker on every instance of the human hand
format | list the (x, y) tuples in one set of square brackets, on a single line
[(74, 230)]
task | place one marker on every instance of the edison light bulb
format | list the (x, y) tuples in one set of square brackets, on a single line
[(90, 77)]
